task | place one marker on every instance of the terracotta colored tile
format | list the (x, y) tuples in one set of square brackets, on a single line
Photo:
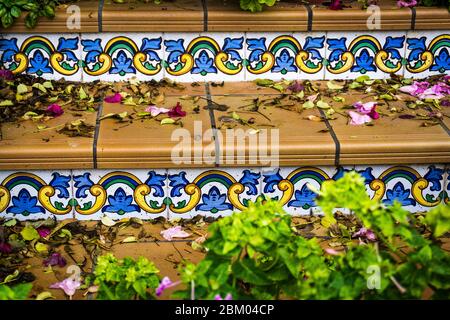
[(391, 140), (147, 143), (355, 19), (181, 15), (22, 146), (284, 16), (239, 88), (432, 18), (88, 20), (166, 257), (192, 89), (301, 141)]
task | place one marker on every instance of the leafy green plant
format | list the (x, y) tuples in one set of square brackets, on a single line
[(18, 292), (256, 254), (256, 5), (124, 279), (10, 10)]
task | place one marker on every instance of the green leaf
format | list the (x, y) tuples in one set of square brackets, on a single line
[(334, 86), (22, 88), (10, 223), (363, 78), (264, 82), (40, 87), (323, 105), (247, 271), (308, 105), (167, 121), (29, 233), (6, 103), (82, 95)]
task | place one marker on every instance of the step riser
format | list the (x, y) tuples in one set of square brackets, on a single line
[(147, 194), (236, 56)]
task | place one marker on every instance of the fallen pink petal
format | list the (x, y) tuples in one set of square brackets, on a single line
[(336, 5), (116, 98), (332, 252), (358, 119), (176, 111), (68, 285), (55, 260), (402, 3), (55, 110), (174, 232), (367, 108), (5, 247), (154, 110), (165, 284), (227, 297), (365, 233), (296, 87), (6, 74), (43, 232)]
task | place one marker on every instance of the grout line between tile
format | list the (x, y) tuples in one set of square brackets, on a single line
[(100, 15), (96, 133), (205, 15), (213, 125), (444, 126), (335, 138)]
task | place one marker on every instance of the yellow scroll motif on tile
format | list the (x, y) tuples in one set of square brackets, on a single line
[(140, 192), (5, 197), (100, 199)]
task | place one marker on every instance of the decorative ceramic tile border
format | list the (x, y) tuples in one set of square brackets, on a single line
[(238, 56), (185, 193)]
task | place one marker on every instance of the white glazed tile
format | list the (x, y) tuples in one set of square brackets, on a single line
[(121, 50), (175, 45), (398, 187), (40, 49), (233, 44), (427, 41), (302, 200), (314, 43), (24, 201), (214, 185), (446, 189), (363, 47), (284, 67), (120, 201)]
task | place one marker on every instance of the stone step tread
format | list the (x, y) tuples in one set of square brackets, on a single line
[(217, 15), (303, 138)]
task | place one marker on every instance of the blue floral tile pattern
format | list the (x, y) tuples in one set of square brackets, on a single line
[(240, 55), (210, 192), (35, 195)]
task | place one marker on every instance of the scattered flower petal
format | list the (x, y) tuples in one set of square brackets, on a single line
[(6, 74), (154, 110), (336, 5), (176, 111), (406, 3), (174, 232), (5, 247), (367, 108), (116, 98), (55, 110), (43, 232), (365, 233), (332, 252), (68, 285), (296, 87), (358, 119), (165, 284), (55, 260), (227, 297)]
